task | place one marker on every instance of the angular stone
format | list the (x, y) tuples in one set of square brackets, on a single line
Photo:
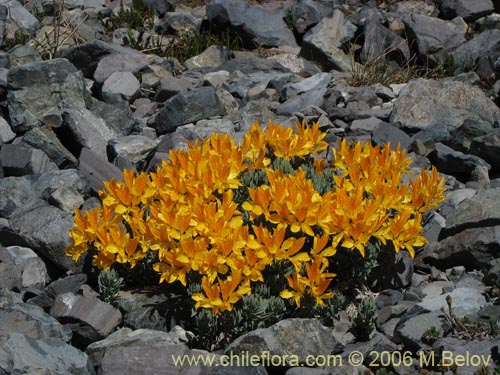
[(184, 108), (305, 14), (464, 302), (125, 337), (382, 44), (20, 17), (120, 86), (128, 61), (131, 151), (97, 169), (432, 37), (87, 131), (487, 147), (322, 43), (256, 24), (317, 81), (470, 11), (19, 161), (3, 24), (20, 354), (205, 128), (212, 56), (482, 49), (6, 133), (385, 133), (179, 22), (66, 198), (66, 284), (116, 116), (45, 140), (427, 103), (23, 54), (42, 91), (21, 267), (480, 210), (171, 86), (302, 337), (299, 102), (101, 317), (31, 321), (252, 64), (45, 228)]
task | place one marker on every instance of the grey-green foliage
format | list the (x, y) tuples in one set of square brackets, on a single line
[(329, 311), (109, 283), (364, 322), (323, 182)]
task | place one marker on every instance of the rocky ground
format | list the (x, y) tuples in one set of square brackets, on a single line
[(79, 105)]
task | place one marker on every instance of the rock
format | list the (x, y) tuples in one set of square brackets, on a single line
[(473, 247), (66, 284), (40, 92), (84, 4), (212, 56), (85, 130), (125, 60), (299, 102), (3, 18), (19, 161), (97, 169), (302, 337), (32, 321), (23, 54), (20, 17), (427, 103), (484, 48), (256, 25), (170, 87), (140, 338), (120, 86), (45, 228), (369, 124), (161, 7), (304, 15), (91, 319), (454, 162), (252, 64), (205, 128), (66, 199), (131, 151), (478, 211), (487, 147), (384, 133), (20, 354), (6, 133), (464, 302), (322, 43), (317, 81), (382, 44), (413, 325), (45, 139), (21, 268), (461, 138), (116, 116), (469, 11), (184, 108), (179, 22), (432, 37)]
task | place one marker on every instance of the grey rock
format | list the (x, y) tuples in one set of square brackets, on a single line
[(170, 87), (473, 247), (302, 337), (482, 49), (299, 102), (304, 14), (6, 133), (465, 302), (144, 308), (20, 354), (126, 337), (433, 37), (46, 140), (256, 24), (45, 229), (87, 130), (487, 147), (20, 17), (125, 61), (19, 161), (369, 124), (41, 91), (184, 108), (377, 340), (427, 103), (252, 64), (3, 18), (97, 169), (205, 128), (116, 116), (384, 133), (21, 268), (32, 321), (212, 56), (317, 81), (469, 11), (120, 86), (131, 151), (322, 43), (84, 4), (478, 211), (381, 44), (454, 162), (462, 137), (66, 198), (71, 284), (179, 22), (161, 7), (91, 318), (413, 325), (23, 54)]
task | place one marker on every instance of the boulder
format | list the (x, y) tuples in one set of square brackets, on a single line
[(470, 11), (20, 161), (131, 151)]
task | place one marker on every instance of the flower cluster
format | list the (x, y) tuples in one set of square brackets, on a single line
[(186, 212)]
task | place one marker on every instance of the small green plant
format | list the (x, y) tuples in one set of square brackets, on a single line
[(21, 37), (137, 17), (494, 327), (288, 18), (431, 335), (364, 321), (109, 283)]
